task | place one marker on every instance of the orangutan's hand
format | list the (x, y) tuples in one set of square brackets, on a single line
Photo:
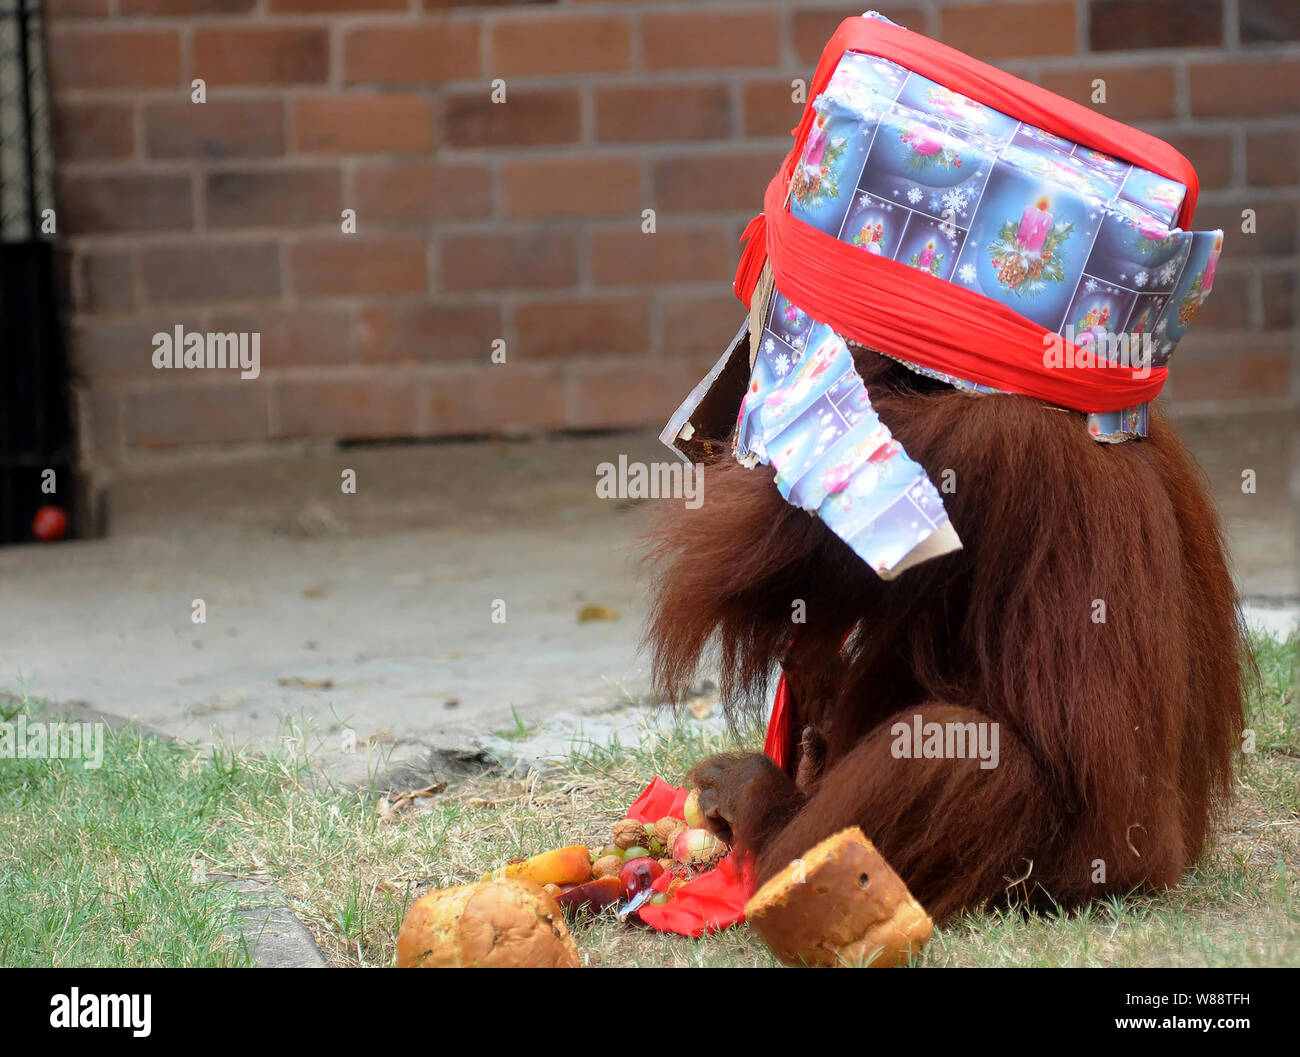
[(730, 782)]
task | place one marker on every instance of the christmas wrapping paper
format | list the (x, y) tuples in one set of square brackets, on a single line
[(1071, 238), (897, 165), (807, 413)]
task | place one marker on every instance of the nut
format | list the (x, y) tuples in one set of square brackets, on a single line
[(606, 866), (629, 834), (667, 828)]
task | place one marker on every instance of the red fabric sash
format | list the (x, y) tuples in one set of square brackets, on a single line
[(901, 311), (777, 742)]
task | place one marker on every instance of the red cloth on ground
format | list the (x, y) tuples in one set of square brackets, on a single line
[(712, 901), (716, 899), (901, 311)]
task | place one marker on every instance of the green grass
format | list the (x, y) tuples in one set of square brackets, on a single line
[(98, 867), (130, 864)]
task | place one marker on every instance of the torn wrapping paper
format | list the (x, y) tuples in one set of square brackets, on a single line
[(808, 414)]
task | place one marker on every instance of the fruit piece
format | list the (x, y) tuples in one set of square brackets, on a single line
[(637, 852), (49, 524), (697, 846), (628, 833), (591, 896), (552, 890), (666, 830), (655, 847), (637, 875), (691, 809), (608, 849), (607, 866), (506, 924), (562, 866), (659, 899)]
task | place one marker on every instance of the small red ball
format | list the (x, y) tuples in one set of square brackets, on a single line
[(50, 524)]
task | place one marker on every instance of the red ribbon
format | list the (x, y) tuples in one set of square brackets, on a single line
[(904, 312)]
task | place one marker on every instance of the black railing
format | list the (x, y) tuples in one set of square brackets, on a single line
[(37, 465)]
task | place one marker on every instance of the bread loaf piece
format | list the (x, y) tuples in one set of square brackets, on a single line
[(500, 923), (840, 905)]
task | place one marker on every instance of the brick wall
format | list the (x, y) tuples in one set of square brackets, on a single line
[(521, 221)]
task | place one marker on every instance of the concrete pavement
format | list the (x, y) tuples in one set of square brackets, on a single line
[(369, 616)]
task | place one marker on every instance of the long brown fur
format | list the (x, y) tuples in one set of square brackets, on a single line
[(1116, 738)]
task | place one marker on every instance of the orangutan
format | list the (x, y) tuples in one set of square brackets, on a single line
[(1089, 614)]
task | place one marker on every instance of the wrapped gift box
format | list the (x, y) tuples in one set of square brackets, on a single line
[(1078, 241), (897, 165)]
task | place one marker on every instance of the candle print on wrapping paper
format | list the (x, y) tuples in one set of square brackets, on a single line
[(900, 166), (808, 414)]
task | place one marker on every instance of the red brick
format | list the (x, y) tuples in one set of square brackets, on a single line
[(770, 107), (1132, 92), (93, 131), (182, 8), (105, 281), (697, 325), (526, 46), (313, 7), (358, 406), (1277, 297), (115, 59), (496, 398), (1230, 89), (359, 264), (710, 39), (353, 124), (58, 10), (421, 192), (527, 258), (1272, 158), (108, 353), (612, 396), (274, 198), (215, 129), (427, 333), (586, 186), (618, 326), (1209, 153), (1228, 306), (810, 30), (197, 410), (261, 55), (297, 336), (99, 417), (1259, 366), (204, 272), (700, 182), (1269, 21), (674, 254), (529, 117), (653, 112), (425, 53), (1275, 228), (1118, 25), (1004, 30), (127, 202)]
